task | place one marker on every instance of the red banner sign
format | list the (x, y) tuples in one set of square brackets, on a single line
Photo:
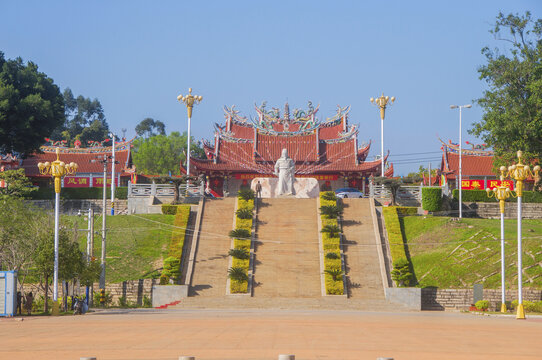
[(481, 184), (76, 181), (317, 177), (494, 183)]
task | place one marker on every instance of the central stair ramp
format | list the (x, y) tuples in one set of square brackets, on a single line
[(287, 258)]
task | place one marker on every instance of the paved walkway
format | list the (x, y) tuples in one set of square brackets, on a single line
[(264, 334), (211, 268), (287, 262), (361, 256)]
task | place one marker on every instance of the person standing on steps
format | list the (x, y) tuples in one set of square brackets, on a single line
[(258, 190)]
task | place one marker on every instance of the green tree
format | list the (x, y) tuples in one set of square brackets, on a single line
[(31, 105), (71, 263), (17, 184), (148, 126), (512, 104), (84, 120), (162, 155)]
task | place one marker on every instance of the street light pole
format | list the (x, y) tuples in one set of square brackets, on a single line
[(57, 169), (501, 193), (382, 102), (189, 101), (460, 153), (104, 206), (520, 172), (113, 177)]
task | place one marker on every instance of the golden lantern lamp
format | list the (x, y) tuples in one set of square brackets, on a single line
[(520, 172)]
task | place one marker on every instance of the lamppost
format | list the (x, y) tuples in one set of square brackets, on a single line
[(104, 159), (57, 169), (189, 101), (501, 193), (468, 106), (382, 102), (520, 172), (113, 162)]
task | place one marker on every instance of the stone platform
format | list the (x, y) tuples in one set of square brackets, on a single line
[(304, 188)]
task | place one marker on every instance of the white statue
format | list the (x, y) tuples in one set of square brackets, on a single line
[(285, 170)]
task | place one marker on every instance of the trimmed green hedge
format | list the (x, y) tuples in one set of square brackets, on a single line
[(168, 209), (431, 198), (121, 193), (175, 252), (331, 245), (481, 196), (243, 205), (395, 234)]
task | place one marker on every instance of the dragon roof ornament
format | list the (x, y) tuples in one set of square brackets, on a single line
[(477, 150)]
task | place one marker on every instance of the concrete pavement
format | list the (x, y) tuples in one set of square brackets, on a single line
[(264, 334)]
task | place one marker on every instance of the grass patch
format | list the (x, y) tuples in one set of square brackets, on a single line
[(136, 244), (458, 254)]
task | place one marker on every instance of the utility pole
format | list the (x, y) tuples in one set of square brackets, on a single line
[(104, 206), (430, 184), (113, 162), (91, 253)]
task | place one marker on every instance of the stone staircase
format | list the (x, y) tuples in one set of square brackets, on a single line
[(211, 260), (287, 251), (286, 266), (361, 256)]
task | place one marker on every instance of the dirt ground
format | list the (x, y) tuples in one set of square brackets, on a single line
[(264, 334)]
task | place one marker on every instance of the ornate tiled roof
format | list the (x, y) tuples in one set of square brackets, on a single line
[(476, 161), (317, 147), (81, 156)]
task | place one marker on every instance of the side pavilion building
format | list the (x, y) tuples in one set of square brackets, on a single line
[(244, 149)]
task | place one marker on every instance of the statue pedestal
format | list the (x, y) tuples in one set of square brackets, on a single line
[(304, 188)]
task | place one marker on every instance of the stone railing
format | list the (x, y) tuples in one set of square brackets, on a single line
[(404, 193), (162, 190)]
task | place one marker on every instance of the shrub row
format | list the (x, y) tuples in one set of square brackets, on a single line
[(431, 198), (238, 272), (175, 251), (333, 278), (401, 265), (78, 193), (481, 196)]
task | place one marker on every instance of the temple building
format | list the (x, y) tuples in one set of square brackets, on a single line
[(246, 148), (476, 167), (90, 168)]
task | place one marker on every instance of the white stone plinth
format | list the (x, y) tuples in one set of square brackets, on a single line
[(304, 188)]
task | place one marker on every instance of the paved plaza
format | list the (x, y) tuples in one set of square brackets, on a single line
[(264, 334)]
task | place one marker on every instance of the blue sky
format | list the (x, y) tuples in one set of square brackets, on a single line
[(137, 56)]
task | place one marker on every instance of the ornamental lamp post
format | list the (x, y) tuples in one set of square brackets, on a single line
[(57, 169), (520, 172), (189, 101), (501, 193), (460, 107), (382, 102)]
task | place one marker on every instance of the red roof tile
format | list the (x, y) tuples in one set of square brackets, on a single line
[(471, 165), (30, 164)]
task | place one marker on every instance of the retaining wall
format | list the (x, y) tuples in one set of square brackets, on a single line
[(133, 290), (71, 207), (462, 299), (492, 211)]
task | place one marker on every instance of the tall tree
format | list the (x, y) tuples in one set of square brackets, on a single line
[(161, 155), (31, 106), (84, 120), (17, 184), (148, 126), (512, 104)]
